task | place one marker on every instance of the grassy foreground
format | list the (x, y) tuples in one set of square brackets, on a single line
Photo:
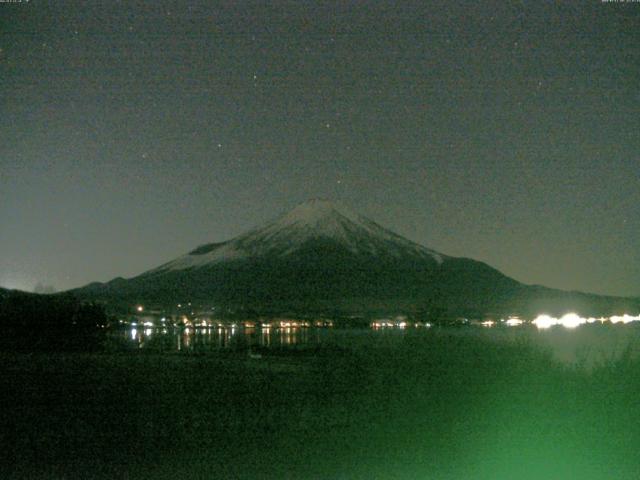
[(434, 406)]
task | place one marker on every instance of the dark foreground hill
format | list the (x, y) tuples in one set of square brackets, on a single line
[(34, 322), (430, 405)]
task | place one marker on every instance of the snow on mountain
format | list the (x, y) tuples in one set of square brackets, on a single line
[(311, 220)]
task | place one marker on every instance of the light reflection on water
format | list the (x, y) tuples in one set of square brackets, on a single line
[(186, 339), (588, 344)]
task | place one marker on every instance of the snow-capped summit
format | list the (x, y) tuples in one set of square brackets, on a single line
[(313, 220), (319, 213)]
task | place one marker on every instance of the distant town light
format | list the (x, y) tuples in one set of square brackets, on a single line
[(545, 321), (140, 308), (573, 320), (626, 318)]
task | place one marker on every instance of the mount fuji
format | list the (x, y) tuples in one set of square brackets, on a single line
[(322, 258)]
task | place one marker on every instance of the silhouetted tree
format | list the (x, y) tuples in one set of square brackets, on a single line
[(50, 322)]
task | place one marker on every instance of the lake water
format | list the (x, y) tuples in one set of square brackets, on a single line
[(587, 344)]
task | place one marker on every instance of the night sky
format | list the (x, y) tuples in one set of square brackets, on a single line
[(133, 132)]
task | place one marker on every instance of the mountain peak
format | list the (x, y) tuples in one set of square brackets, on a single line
[(310, 221), (317, 203), (315, 212)]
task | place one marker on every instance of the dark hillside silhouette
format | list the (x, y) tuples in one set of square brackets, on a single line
[(33, 322)]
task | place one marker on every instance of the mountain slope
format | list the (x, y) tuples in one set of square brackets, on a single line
[(321, 257)]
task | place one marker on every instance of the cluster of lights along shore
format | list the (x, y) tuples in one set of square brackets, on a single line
[(543, 321), (570, 320)]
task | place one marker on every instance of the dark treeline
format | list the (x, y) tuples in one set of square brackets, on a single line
[(32, 322)]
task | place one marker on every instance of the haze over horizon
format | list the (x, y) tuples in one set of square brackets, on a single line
[(504, 133)]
